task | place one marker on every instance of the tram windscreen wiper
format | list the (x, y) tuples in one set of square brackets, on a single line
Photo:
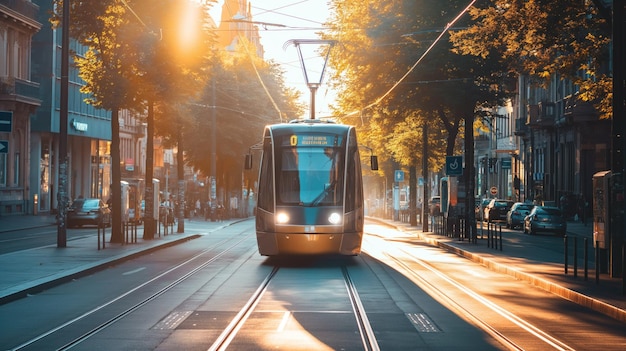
[(324, 193)]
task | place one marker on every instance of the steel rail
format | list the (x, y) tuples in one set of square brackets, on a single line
[(121, 315), (368, 336), (228, 334)]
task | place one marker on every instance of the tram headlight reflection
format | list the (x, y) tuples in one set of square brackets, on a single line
[(282, 218), (334, 218)]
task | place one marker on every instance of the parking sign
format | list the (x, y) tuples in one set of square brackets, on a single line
[(454, 165)]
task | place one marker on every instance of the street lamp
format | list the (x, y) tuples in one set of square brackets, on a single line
[(312, 84)]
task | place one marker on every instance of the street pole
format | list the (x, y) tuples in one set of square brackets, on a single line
[(618, 159), (426, 198), (213, 185), (63, 111)]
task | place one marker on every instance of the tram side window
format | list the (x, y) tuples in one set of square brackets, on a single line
[(266, 187), (352, 181)]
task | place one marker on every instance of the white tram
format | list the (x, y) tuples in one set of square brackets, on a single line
[(310, 190)]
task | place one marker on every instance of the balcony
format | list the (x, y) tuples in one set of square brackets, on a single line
[(19, 90), (521, 129), (541, 115), (577, 111)]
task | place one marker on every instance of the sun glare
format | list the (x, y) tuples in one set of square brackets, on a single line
[(189, 28)]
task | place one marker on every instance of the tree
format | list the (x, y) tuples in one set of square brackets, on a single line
[(176, 67), (242, 106), (119, 58), (543, 39), (396, 66)]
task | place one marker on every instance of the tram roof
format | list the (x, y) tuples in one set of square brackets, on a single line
[(310, 125)]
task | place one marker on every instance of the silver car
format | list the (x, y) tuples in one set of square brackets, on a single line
[(517, 213), (545, 219), (90, 211)]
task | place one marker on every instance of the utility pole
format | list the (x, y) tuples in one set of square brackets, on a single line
[(62, 198)]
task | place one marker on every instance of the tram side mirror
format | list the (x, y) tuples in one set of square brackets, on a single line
[(374, 163), (248, 161)]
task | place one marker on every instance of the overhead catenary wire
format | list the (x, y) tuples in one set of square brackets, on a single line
[(419, 60), (258, 75)]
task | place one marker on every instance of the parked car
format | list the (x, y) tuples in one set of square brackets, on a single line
[(434, 206), (545, 219), (497, 210), (517, 213), (480, 209), (88, 211)]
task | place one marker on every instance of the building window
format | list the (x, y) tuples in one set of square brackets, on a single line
[(3, 170), (16, 169)]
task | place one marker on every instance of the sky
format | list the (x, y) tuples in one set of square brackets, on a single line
[(302, 19)]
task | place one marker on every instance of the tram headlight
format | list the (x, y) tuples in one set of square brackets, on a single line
[(334, 218), (282, 218)]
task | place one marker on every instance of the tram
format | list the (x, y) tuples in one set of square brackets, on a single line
[(310, 190)]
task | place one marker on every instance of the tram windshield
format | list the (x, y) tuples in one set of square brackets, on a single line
[(310, 175)]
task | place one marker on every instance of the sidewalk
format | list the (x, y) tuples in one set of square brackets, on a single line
[(529, 258), (521, 256), (34, 270)]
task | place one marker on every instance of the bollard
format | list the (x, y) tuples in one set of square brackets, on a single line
[(103, 227), (565, 252), (597, 262), (575, 257), (500, 237), (623, 269), (586, 257)]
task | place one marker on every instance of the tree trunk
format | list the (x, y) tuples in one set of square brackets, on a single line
[(116, 178), (180, 165), (149, 222)]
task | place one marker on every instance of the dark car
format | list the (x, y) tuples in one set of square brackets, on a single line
[(545, 219), (89, 211), (434, 206), (517, 213), (497, 210)]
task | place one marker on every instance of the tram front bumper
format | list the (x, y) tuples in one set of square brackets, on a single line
[(309, 243)]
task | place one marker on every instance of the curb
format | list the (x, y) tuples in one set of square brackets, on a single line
[(66, 276), (568, 294)]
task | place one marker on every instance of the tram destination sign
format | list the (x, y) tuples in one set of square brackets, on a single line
[(312, 140)]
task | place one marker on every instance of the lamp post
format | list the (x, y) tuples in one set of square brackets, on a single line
[(312, 84)]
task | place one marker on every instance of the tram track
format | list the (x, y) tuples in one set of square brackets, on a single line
[(175, 280), (366, 333), (433, 280)]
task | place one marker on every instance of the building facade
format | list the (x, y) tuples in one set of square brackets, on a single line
[(19, 98), (544, 147)]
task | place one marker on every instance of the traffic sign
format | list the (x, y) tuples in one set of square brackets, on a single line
[(493, 190), (398, 175), (454, 165), (4, 146), (6, 119)]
